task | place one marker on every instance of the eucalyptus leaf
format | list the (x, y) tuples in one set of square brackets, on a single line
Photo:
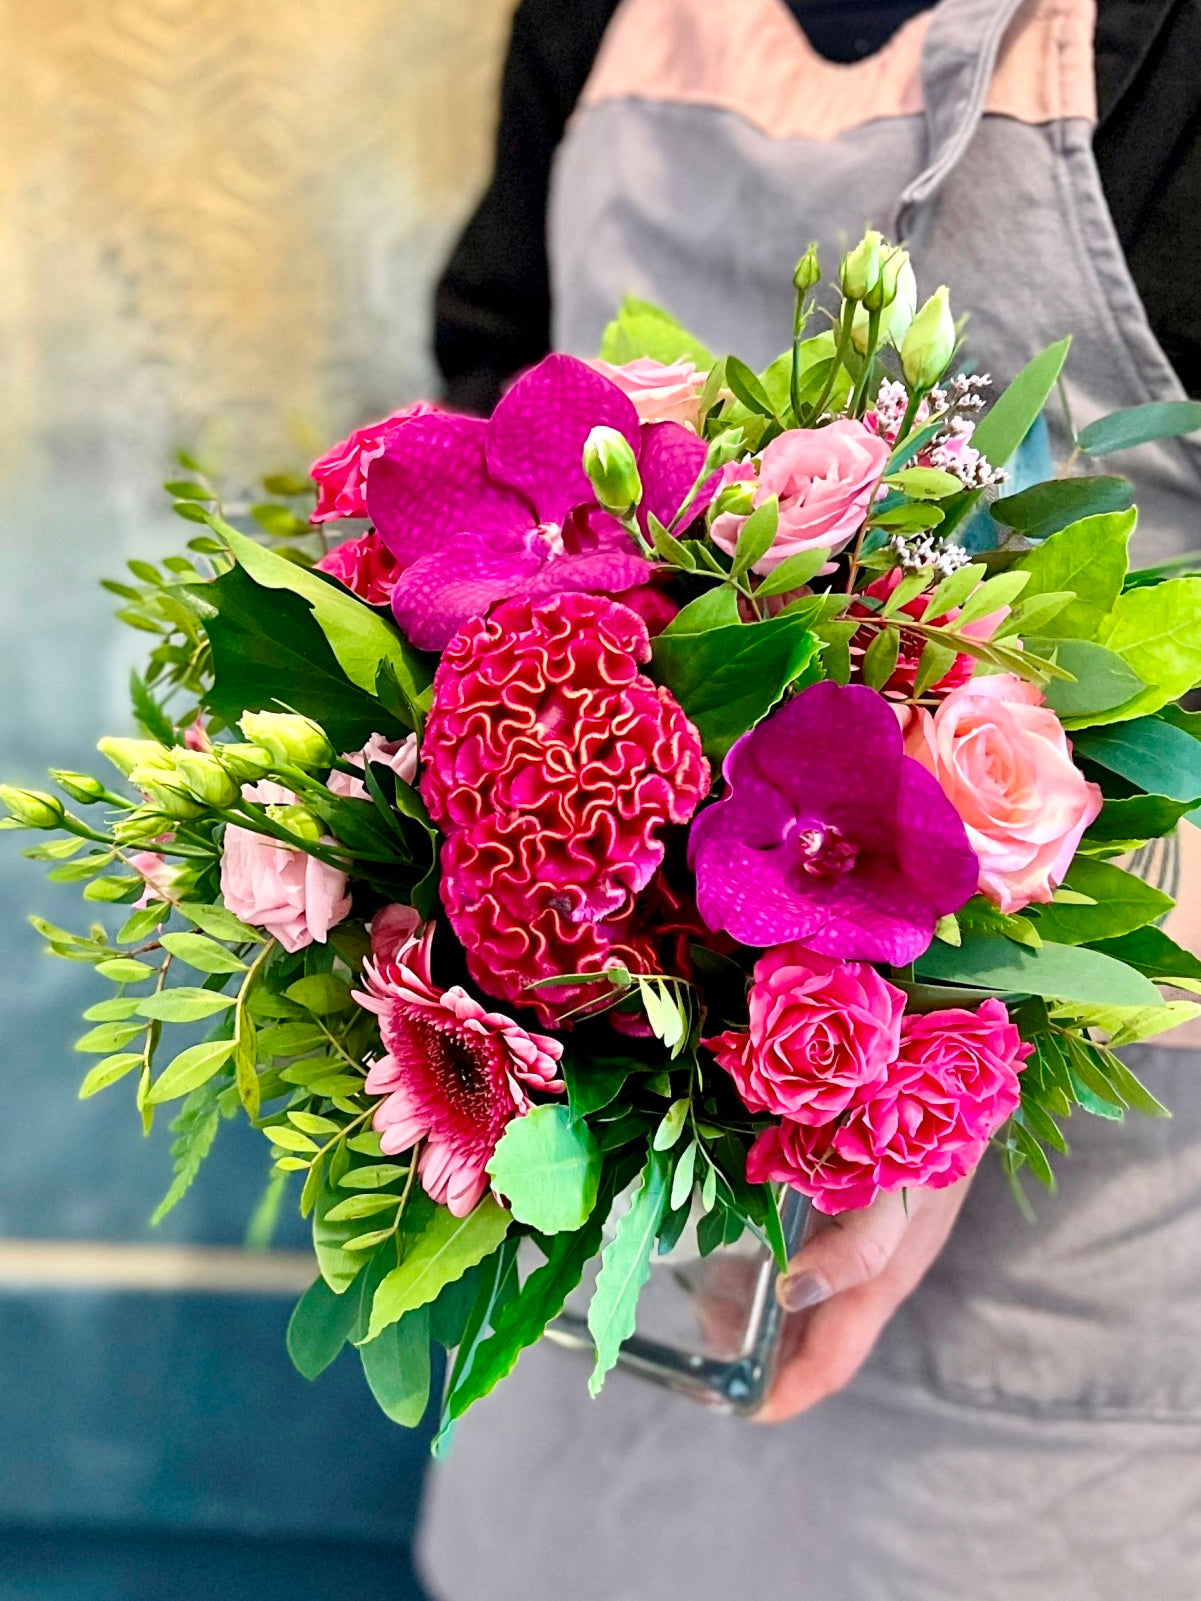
[(1045, 509), (1010, 418), (1137, 425), (1151, 753), (1064, 972)]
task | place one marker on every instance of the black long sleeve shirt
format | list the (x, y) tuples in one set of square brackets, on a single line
[(492, 311)]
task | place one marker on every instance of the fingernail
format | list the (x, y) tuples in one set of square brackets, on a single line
[(800, 1290)]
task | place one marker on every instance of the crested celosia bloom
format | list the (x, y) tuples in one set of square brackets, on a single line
[(829, 834), (953, 1084), (820, 1031), (366, 566), (554, 766), (341, 474), (455, 1075), (477, 511)]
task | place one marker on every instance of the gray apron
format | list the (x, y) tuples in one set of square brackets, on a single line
[(1030, 1423)]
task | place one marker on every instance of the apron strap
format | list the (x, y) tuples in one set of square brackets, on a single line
[(958, 60)]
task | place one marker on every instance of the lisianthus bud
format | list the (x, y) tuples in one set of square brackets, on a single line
[(165, 790), (612, 470), (297, 820), (291, 739), (245, 763), (140, 827), (899, 304), (726, 447), (807, 272), (126, 754), (738, 498), (79, 786), (32, 808), (861, 267), (205, 778), (930, 342)]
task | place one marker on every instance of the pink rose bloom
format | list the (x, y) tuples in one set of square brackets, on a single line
[(927, 1125), (157, 873), (366, 566), (296, 898), (820, 1031), (660, 392), (826, 479), (341, 474), (909, 653), (1005, 764), (391, 928), (398, 754), (455, 1076)]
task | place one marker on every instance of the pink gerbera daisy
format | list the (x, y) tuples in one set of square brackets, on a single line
[(455, 1075)]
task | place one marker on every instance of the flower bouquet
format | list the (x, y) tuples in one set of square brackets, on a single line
[(688, 790)]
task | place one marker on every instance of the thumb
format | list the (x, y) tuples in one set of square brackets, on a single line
[(846, 1251)]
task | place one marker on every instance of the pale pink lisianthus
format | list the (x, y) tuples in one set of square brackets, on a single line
[(820, 1031), (291, 894), (341, 474), (1005, 763), (926, 1125), (826, 479), (157, 873), (455, 1075), (660, 391), (398, 754)]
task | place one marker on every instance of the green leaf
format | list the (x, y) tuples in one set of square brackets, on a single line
[(547, 1167), (1089, 557), (1122, 430), (933, 665), (672, 1125), (189, 1070), (320, 1325), (682, 1178), (443, 1252), (747, 387), (774, 1228), (792, 573), (716, 608), (373, 1177), (643, 329), (1123, 903), (338, 1268), (1045, 509), (594, 1082), (119, 1010), (1151, 753), (143, 923), (289, 1138), (728, 678), (924, 483), (183, 1005), (1157, 632), (108, 1037), (124, 970), (1138, 817), (320, 993), (195, 1129), (1103, 680), (202, 953), (148, 712), (1152, 952), (1007, 422), (625, 1266), (396, 1363), (1063, 972), (108, 1072), (880, 658), (360, 1206), (953, 591), (215, 920), (756, 536)]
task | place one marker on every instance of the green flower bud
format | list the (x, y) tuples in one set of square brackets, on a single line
[(79, 786), (861, 266), (32, 808), (899, 304), (246, 763), (206, 779), (126, 754), (297, 820), (612, 470), (288, 738), (165, 790), (737, 498), (930, 342), (142, 826), (726, 447), (807, 272)]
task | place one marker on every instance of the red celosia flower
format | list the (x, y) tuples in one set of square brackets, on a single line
[(455, 1075), (553, 766)]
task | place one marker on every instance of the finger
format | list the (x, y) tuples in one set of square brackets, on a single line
[(824, 1349), (849, 1250)]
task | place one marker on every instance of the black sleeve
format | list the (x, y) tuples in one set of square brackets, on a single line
[(492, 304)]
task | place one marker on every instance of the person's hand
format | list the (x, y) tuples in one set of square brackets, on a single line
[(843, 1285)]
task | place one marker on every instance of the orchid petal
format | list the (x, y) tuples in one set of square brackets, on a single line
[(447, 588), (670, 458)]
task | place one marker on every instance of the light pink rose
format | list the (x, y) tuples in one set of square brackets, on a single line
[(820, 1030), (954, 1083), (826, 479), (157, 873), (398, 754), (341, 474), (1005, 764), (660, 393), (366, 566), (296, 898)]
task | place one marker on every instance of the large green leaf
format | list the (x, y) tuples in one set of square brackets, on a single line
[(1154, 953), (1151, 753), (1139, 817), (1100, 680), (594, 1081), (548, 1168), (397, 1368), (641, 328), (1123, 903), (1089, 557), (716, 608), (728, 678), (1061, 972), (1011, 417), (625, 1266), (320, 1325), (1122, 430), (1045, 509), (1157, 632), (441, 1253)]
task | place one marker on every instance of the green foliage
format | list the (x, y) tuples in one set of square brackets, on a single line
[(547, 1167), (1046, 508), (1139, 817), (1157, 632), (189, 1070), (625, 1265), (320, 1325), (1137, 425), (1101, 680), (1148, 751), (1154, 953), (643, 329), (594, 1081), (1065, 972), (1010, 418), (1089, 558), (396, 1363), (1122, 904), (446, 1247), (195, 1129)]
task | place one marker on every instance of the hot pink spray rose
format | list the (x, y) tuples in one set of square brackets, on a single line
[(911, 645), (296, 898), (661, 392), (366, 566), (1005, 764), (820, 1031), (954, 1083), (341, 474), (826, 479), (455, 1075)]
